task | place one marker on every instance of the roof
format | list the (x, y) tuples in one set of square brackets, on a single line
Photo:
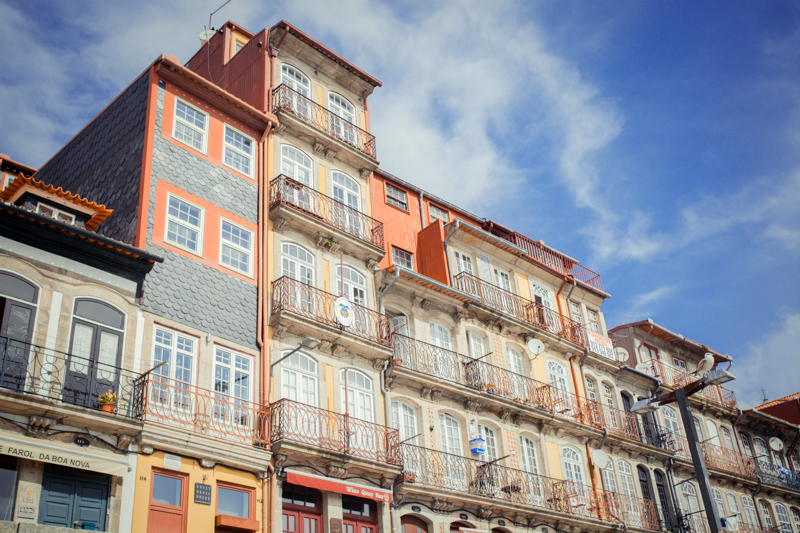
[(101, 212), (7, 161), (330, 54), (673, 338), (430, 283), (795, 396)]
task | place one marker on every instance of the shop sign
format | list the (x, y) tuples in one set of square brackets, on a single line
[(64, 454), (342, 487), (600, 345)]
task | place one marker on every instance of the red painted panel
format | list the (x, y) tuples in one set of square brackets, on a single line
[(789, 411), (400, 227), (431, 258)]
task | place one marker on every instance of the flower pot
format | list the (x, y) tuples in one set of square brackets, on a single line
[(397, 362), (107, 407)]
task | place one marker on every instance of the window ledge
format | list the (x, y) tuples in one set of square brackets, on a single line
[(236, 523)]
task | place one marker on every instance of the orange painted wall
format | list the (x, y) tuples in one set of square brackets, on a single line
[(400, 227), (431, 258)]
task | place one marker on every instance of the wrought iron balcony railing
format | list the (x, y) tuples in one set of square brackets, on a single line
[(501, 382), (427, 359), (315, 304), (675, 378), (211, 413), (304, 424), (637, 513), (64, 377), (774, 475), (286, 191), (714, 456), (285, 98), (509, 303)]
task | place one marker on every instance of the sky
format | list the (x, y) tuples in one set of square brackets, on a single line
[(658, 142)]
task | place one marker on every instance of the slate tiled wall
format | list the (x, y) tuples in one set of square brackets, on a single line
[(103, 163), (185, 290)]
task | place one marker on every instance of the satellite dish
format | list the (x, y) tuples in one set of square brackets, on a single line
[(600, 459), (535, 346), (776, 444), (206, 35)]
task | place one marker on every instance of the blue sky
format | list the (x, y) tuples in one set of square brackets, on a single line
[(657, 142)]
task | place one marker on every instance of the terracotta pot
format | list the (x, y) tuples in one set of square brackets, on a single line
[(107, 407)]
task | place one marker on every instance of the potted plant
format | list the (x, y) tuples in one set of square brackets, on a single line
[(397, 362), (108, 401)]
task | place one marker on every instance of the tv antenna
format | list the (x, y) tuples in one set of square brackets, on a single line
[(763, 392), (206, 35)]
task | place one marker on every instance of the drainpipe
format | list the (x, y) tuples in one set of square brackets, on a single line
[(421, 210), (755, 504), (447, 253), (736, 433), (793, 446), (384, 291), (639, 349), (267, 503), (387, 413)]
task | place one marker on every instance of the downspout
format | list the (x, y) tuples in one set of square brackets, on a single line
[(384, 291), (736, 433), (756, 506), (592, 476), (447, 252), (421, 211), (386, 408), (793, 446)]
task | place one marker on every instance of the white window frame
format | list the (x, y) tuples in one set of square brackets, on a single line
[(233, 369), (180, 222), (437, 213), (530, 455), (593, 323), (288, 367), (401, 413), (462, 259), (173, 353), (411, 257), (579, 467), (250, 157), (286, 160), (292, 82), (237, 247), (391, 199), (56, 213), (204, 131)]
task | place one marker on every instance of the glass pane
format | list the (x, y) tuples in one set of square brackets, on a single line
[(17, 288), (233, 502), (99, 312), (8, 487), (109, 348), (167, 490), (19, 320), (81, 347)]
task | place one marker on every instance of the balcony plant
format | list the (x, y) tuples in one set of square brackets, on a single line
[(108, 401)]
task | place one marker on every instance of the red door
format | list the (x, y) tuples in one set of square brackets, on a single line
[(167, 502)]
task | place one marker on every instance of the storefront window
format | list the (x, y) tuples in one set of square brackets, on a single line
[(8, 486), (356, 506), (359, 515), (233, 501), (167, 490), (302, 510)]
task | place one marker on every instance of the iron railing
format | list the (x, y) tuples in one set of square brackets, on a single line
[(501, 382), (304, 424), (301, 299), (427, 359), (621, 423), (285, 98), (773, 475), (34, 370), (286, 191), (714, 456), (509, 303), (176, 404), (637, 513)]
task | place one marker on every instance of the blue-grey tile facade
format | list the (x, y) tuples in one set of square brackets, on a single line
[(103, 163), (185, 290)]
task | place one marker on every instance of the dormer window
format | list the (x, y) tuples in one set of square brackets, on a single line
[(57, 214)]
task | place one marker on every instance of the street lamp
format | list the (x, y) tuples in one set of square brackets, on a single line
[(648, 405)]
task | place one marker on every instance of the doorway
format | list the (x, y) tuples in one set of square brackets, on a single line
[(74, 498)]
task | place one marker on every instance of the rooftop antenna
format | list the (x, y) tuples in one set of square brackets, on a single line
[(206, 35), (763, 392)]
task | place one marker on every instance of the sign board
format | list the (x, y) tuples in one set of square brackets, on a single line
[(344, 312), (63, 453), (600, 345), (172, 462), (202, 493), (342, 487)]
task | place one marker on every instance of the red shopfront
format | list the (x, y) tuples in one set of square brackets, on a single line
[(303, 504)]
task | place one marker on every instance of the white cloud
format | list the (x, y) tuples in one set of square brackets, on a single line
[(774, 359), (645, 304)]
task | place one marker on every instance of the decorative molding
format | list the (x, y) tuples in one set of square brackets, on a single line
[(41, 422), (278, 330), (124, 441), (651, 459), (505, 413), (388, 382), (425, 393), (472, 406), (207, 463), (442, 506), (516, 419), (560, 432), (277, 223), (325, 346), (364, 172), (319, 148), (458, 315), (330, 154), (337, 350), (338, 472), (484, 512), (377, 364), (371, 263), (436, 395), (422, 303), (280, 459), (386, 482)]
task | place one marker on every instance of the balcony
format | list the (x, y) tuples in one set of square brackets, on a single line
[(471, 477), (675, 378), (319, 213), (317, 428), (309, 112), (64, 378), (774, 475), (716, 457), (538, 315), (298, 299), (183, 406)]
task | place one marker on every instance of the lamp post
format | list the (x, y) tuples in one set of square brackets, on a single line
[(648, 405)]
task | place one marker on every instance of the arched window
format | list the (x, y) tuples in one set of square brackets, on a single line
[(399, 323), (746, 444), (608, 399), (590, 389), (299, 97), (515, 361), (609, 480), (297, 166), (412, 524), (346, 113), (297, 263), (734, 516), (689, 498), (518, 380), (727, 441), (475, 345), (644, 483), (355, 285), (749, 510), (572, 465), (299, 379), (796, 518), (447, 364), (357, 391), (626, 479), (488, 435), (557, 375), (18, 299), (295, 80), (713, 437), (404, 419), (440, 336), (765, 514), (530, 462), (783, 518), (717, 495), (346, 212), (450, 431), (661, 488), (697, 428), (98, 330), (762, 452), (671, 420)]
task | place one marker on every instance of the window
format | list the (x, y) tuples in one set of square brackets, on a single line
[(298, 97), (438, 213), (733, 507), (762, 453), (502, 279), (515, 361), (689, 498), (463, 262), (357, 506), (355, 288), (447, 364), (238, 151), (626, 479), (402, 258), (8, 487), (190, 126), (451, 434), (399, 323), (297, 263), (609, 481), (765, 513), (299, 379), (296, 165), (233, 500), (671, 420), (680, 364), (232, 377), (179, 352), (358, 393), (236, 248), (746, 444), (238, 47), (487, 434), (396, 197), (572, 464), (556, 375), (529, 461), (475, 344), (359, 515), (575, 312), (749, 510), (346, 211), (590, 389), (796, 518), (52, 212), (168, 499), (594, 320), (718, 502), (727, 441), (404, 419), (440, 336), (302, 510), (295, 80), (184, 224), (346, 113), (783, 518)]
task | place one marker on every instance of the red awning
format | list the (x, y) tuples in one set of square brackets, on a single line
[(342, 487)]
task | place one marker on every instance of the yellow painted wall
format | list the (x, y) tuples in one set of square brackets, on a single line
[(362, 120), (326, 275), (200, 518), (319, 96), (328, 369), (553, 460), (323, 180), (523, 286)]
